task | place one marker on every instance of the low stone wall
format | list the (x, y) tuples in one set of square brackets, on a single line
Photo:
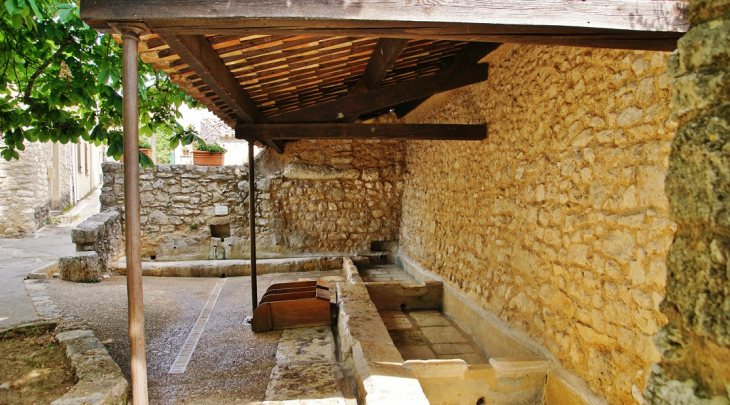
[(319, 197), (100, 380)]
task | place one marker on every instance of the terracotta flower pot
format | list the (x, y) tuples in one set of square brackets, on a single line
[(207, 159), (147, 152)]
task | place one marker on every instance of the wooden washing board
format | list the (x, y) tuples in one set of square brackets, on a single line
[(293, 305)]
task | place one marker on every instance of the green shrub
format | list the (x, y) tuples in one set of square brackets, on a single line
[(144, 143), (212, 148)]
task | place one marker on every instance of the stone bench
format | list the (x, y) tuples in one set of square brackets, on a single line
[(101, 233)]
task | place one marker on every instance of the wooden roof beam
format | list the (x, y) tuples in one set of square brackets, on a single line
[(452, 132), (384, 55), (200, 56), (384, 97), (382, 59), (625, 24)]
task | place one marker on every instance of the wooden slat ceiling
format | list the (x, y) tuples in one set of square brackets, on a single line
[(287, 73)]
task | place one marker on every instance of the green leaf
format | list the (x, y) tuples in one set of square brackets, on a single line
[(35, 9), (145, 130), (66, 12), (145, 161), (103, 76), (12, 7)]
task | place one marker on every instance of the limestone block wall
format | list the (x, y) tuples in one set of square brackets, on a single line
[(558, 222), (340, 196), (695, 344), (318, 197), (178, 208), (25, 197)]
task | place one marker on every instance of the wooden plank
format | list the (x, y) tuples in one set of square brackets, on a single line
[(288, 290), (385, 97), (300, 313), (363, 131), (295, 313), (202, 58), (629, 15), (293, 284), (289, 296)]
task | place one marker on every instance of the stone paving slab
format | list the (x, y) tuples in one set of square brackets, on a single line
[(452, 348), (430, 336), (429, 318), (387, 273), (416, 352), (395, 320), (305, 371), (443, 334), (306, 345), (304, 382)]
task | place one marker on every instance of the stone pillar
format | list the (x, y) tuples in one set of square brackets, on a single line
[(695, 344)]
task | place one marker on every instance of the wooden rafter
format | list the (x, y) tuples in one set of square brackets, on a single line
[(384, 97), (200, 56), (383, 57), (363, 131)]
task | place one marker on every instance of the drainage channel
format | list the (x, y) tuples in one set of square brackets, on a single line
[(188, 348)]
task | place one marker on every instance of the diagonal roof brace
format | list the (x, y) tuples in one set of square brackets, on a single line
[(196, 51)]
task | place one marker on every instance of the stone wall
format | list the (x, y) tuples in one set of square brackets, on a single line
[(558, 222), (25, 198), (340, 196), (695, 344), (319, 197)]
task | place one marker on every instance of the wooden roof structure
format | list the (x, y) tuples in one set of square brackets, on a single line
[(260, 63)]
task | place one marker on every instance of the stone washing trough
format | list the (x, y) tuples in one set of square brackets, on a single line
[(410, 338), (230, 268)]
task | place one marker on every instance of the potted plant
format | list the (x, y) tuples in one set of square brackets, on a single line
[(208, 154), (145, 147)]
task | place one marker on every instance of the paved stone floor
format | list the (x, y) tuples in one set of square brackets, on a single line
[(231, 364), (425, 335)]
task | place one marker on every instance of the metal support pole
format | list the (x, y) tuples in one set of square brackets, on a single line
[(130, 39), (252, 221)]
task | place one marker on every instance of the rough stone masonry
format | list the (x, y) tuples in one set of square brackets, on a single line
[(695, 343), (558, 222), (319, 197)]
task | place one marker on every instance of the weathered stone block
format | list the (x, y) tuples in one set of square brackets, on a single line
[(319, 172), (81, 266)]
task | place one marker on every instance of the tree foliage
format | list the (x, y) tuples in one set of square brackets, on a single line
[(60, 81)]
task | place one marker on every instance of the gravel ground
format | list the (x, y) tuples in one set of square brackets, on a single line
[(231, 364)]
